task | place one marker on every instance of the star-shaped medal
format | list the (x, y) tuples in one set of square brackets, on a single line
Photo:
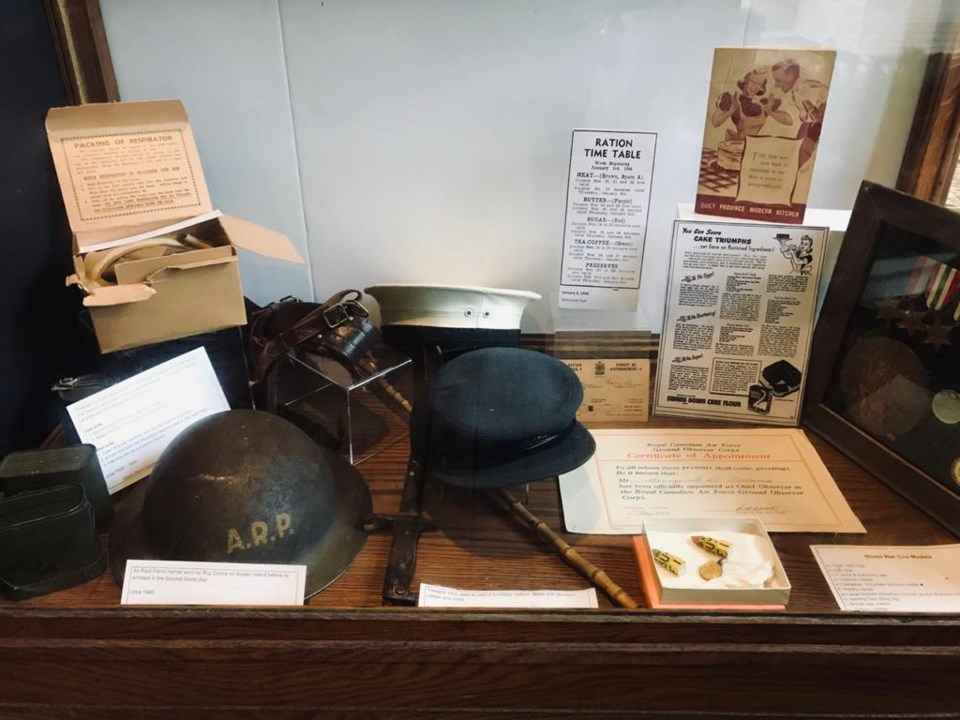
[(911, 321), (887, 309), (938, 334)]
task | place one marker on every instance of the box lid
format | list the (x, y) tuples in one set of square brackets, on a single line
[(125, 167), (260, 240)]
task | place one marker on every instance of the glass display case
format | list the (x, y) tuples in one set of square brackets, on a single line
[(432, 142)]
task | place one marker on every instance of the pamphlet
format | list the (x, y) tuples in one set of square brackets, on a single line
[(773, 474), (741, 304), (131, 423), (174, 582), (764, 117), (608, 199), (439, 596), (902, 579), (154, 232)]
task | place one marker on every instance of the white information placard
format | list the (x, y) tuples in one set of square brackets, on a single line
[(173, 582), (130, 423), (440, 596), (741, 304), (901, 579), (608, 198)]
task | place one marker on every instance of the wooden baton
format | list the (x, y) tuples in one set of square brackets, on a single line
[(569, 555)]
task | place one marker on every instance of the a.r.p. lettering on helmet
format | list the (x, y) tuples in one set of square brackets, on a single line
[(260, 533)]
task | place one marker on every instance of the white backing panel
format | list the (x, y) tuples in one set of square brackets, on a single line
[(224, 60), (432, 137)]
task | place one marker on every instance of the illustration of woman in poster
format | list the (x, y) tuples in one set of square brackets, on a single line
[(799, 254), (748, 107)]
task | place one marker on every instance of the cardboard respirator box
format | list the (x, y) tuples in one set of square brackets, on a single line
[(130, 172)]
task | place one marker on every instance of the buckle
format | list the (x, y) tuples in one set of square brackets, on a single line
[(335, 315), (358, 309)]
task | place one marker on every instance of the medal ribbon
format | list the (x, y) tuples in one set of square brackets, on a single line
[(937, 282), (943, 287), (918, 282)]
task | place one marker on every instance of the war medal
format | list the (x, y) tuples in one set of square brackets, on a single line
[(946, 406), (884, 387), (712, 569), (670, 563)]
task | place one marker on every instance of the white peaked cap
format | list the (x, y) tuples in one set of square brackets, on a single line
[(451, 306)]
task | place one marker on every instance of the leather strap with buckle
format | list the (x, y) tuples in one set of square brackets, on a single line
[(338, 327)]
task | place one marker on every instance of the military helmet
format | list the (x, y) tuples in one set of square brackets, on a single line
[(245, 486)]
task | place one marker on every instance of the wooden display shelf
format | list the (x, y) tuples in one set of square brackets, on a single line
[(78, 654)]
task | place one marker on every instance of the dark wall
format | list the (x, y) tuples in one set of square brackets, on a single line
[(39, 335)]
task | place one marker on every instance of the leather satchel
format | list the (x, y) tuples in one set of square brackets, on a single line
[(339, 328)]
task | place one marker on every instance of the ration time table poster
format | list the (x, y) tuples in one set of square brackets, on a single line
[(608, 198)]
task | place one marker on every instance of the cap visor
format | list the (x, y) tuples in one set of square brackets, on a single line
[(568, 454)]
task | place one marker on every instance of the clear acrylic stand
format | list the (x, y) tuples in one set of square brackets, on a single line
[(362, 408)]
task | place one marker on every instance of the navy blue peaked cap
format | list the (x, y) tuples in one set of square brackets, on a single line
[(505, 416)]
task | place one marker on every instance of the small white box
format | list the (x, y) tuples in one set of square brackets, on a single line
[(776, 590)]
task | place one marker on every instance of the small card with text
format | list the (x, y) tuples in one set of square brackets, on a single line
[(174, 582), (614, 389)]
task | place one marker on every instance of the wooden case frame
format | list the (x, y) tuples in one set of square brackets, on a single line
[(876, 209)]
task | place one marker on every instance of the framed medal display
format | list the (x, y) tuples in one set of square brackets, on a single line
[(884, 384)]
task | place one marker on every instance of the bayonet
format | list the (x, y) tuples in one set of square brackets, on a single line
[(408, 524)]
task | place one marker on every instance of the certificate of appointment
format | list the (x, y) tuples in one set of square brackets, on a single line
[(771, 474)]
